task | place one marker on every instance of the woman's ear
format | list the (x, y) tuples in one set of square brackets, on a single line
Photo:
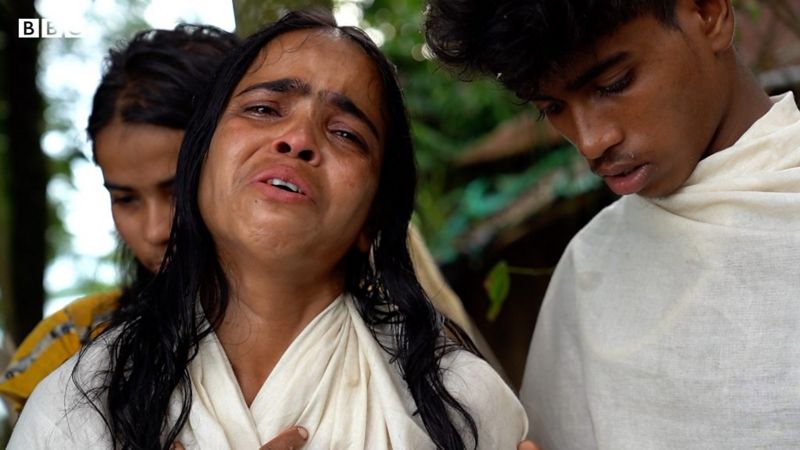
[(364, 240), (718, 22)]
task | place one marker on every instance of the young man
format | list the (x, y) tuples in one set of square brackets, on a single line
[(672, 320)]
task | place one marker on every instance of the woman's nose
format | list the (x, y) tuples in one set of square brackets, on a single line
[(298, 141), (158, 222)]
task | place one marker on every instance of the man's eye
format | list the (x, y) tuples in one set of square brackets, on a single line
[(617, 86), (549, 110)]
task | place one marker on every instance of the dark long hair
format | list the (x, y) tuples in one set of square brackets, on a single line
[(520, 41), (155, 78), (153, 341)]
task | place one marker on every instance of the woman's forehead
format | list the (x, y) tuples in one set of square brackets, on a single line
[(290, 46), (326, 60)]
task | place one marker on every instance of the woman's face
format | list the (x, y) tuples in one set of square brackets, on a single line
[(293, 165), (138, 163)]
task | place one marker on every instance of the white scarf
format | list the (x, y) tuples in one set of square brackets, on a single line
[(675, 323), (334, 380)]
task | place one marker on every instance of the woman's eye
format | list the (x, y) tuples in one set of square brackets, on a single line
[(617, 86), (262, 110), (350, 136), (123, 200)]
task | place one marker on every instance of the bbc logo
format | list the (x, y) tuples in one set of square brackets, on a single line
[(46, 28)]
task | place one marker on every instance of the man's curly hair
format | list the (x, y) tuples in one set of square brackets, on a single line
[(520, 41)]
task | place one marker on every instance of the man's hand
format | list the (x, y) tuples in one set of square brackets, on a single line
[(527, 445), (292, 439)]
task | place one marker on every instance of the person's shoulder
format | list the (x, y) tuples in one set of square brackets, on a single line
[(495, 408), (93, 308), (81, 313), (612, 221), (87, 368), (614, 213), (53, 341), (467, 373), (61, 408)]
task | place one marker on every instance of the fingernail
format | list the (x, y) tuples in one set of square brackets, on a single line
[(303, 433)]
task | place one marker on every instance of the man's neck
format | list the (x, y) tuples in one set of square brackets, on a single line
[(748, 103)]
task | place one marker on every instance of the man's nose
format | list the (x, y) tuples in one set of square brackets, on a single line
[(595, 134)]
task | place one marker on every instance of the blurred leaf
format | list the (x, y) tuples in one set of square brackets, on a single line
[(497, 285), (748, 7), (252, 15)]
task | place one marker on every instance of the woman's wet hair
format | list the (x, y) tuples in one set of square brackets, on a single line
[(156, 77)]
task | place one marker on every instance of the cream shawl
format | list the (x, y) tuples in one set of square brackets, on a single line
[(325, 381), (675, 323), (334, 379)]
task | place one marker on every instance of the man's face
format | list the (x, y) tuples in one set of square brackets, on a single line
[(643, 106)]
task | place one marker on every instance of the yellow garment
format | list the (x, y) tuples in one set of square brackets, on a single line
[(53, 341)]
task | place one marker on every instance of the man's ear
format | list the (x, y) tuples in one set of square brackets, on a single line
[(718, 22)]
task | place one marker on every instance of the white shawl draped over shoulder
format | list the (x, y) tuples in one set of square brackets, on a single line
[(675, 322), (334, 379)]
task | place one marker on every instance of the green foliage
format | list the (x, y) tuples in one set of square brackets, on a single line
[(5, 220), (497, 284), (446, 115), (5, 196), (751, 8), (251, 15)]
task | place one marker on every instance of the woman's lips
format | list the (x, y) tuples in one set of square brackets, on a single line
[(276, 193), (284, 184)]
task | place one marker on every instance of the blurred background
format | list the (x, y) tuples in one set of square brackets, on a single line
[(500, 194)]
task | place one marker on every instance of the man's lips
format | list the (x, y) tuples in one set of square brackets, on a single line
[(627, 178), (615, 170)]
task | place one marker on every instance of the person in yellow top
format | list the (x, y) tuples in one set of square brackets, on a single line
[(53, 341), (139, 112)]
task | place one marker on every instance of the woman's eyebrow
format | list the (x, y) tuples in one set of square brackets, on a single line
[(347, 106), (300, 87), (117, 187), (165, 183), (290, 85)]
